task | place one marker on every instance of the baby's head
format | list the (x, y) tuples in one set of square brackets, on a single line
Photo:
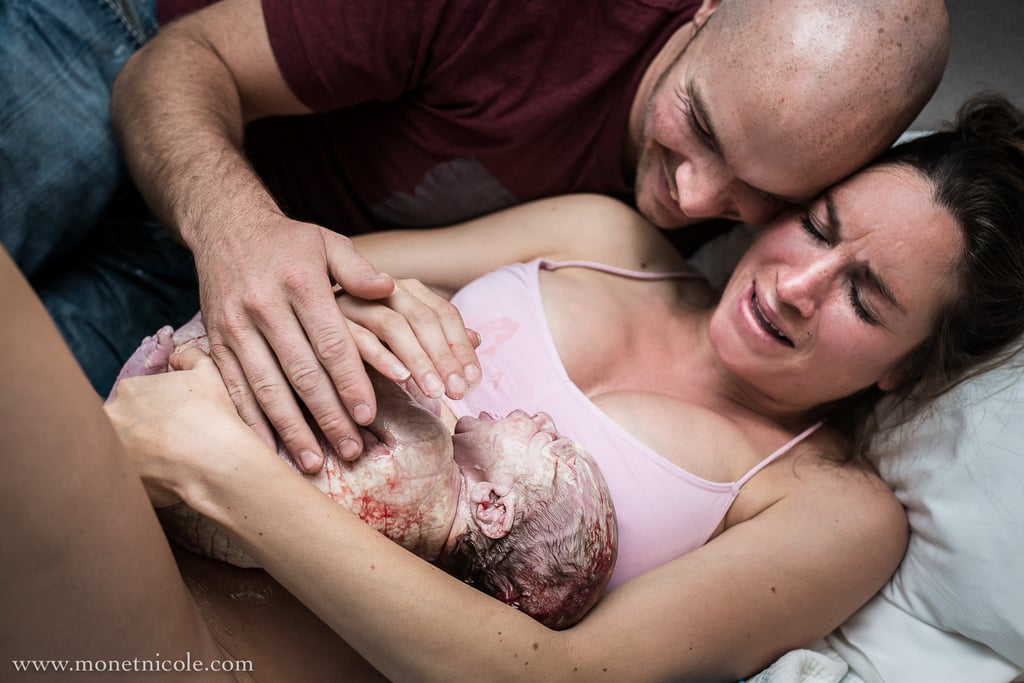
[(539, 526)]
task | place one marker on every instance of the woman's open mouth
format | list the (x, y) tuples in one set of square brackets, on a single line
[(766, 324)]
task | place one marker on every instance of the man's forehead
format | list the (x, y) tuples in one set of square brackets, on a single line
[(751, 160), (785, 133)]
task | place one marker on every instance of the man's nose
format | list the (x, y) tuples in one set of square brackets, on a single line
[(704, 189), (804, 286)]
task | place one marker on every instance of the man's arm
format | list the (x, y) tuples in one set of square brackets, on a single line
[(179, 107)]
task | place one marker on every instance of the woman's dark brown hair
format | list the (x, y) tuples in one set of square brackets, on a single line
[(976, 169)]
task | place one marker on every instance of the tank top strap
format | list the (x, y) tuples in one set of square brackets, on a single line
[(548, 264), (785, 448)]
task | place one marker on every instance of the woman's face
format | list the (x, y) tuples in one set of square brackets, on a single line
[(829, 301)]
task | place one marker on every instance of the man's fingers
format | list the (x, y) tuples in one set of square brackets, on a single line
[(238, 389), (261, 393), (330, 377)]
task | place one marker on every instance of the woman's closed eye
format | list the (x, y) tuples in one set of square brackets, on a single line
[(858, 305)]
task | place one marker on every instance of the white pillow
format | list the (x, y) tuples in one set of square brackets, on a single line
[(954, 611)]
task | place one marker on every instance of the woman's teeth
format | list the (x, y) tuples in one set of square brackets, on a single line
[(765, 323)]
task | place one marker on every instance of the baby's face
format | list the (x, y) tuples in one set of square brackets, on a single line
[(519, 451)]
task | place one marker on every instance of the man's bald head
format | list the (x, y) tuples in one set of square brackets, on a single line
[(763, 102), (849, 74)]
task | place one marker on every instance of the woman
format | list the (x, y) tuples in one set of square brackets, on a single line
[(868, 291)]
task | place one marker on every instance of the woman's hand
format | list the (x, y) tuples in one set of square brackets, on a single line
[(415, 332), (178, 426)]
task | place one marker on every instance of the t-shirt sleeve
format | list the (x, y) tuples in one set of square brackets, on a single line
[(337, 53)]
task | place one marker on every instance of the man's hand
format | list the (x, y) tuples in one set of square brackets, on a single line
[(273, 326)]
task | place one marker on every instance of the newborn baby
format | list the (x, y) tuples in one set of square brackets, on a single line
[(507, 505)]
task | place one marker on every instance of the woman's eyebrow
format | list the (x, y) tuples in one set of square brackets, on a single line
[(870, 277)]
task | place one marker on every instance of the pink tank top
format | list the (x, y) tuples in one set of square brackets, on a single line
[(663, 511)]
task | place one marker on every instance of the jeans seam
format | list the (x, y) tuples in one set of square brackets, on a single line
[(129, 18)]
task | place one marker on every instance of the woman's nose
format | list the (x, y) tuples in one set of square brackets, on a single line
[(703, 189), (803, 286)]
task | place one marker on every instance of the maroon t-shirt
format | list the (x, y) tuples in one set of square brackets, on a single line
[(436, 111)]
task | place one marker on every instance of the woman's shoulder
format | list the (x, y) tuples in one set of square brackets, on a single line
[(814, 487), (608, 231)]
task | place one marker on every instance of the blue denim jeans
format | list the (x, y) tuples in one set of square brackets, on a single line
[(69, 215)]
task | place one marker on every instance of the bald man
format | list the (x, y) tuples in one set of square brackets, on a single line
[(261, 133)]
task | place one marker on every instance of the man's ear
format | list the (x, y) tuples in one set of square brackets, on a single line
[(494, 508), (704, 12)]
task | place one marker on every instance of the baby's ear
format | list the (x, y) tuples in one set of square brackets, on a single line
[(494, 508)]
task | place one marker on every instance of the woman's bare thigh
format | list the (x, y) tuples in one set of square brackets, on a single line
[(88, 577)]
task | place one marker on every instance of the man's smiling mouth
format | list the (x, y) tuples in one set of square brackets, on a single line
[(669, 177)]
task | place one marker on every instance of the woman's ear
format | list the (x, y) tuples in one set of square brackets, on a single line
[(889, 382), (704, 12), (494, 508)]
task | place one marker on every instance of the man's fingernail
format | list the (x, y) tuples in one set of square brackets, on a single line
[(473, 375), (374, 275), (432, 385), (348, 448), (309, 460), (361, 413)]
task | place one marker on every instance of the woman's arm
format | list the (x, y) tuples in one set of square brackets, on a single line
[(421, 330), (779, 581), (590, 227)]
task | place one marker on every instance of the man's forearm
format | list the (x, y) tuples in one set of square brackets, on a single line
[(178, 115)]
